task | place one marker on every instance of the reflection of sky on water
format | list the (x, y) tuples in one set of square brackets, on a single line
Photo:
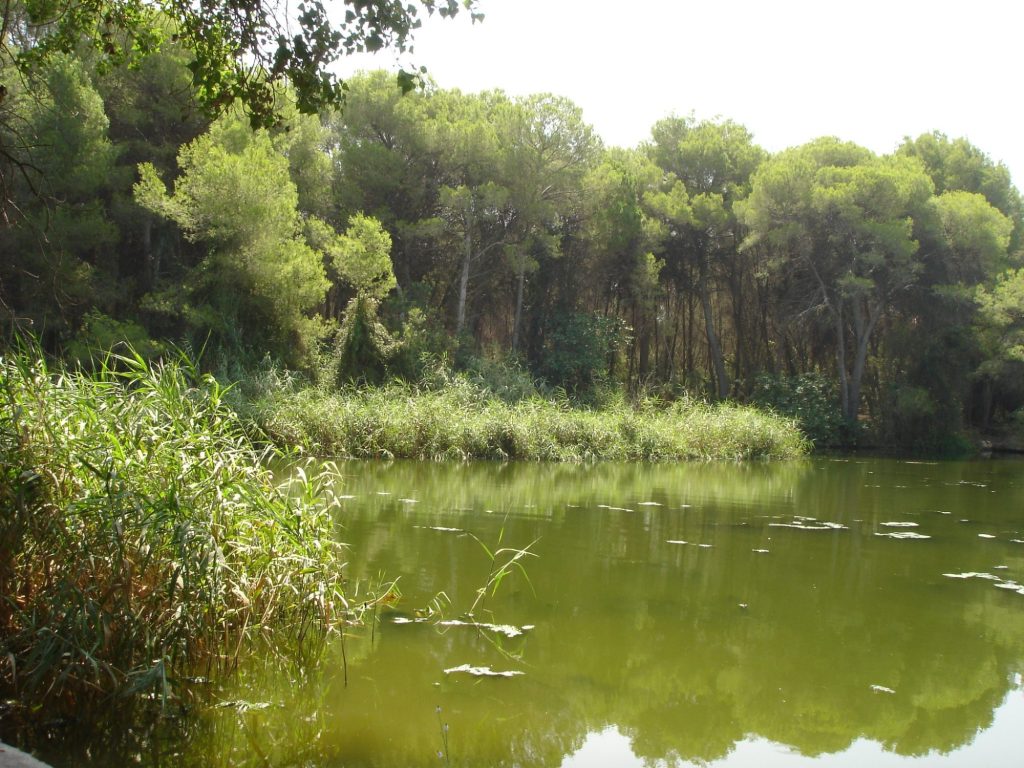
[(996, 747)]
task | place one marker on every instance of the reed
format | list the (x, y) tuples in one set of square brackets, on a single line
[(143, 538), (463, 422)]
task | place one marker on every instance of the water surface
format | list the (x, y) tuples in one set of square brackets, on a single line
[(813, 613)]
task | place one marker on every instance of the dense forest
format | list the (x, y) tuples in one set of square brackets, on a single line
[(879, 297)]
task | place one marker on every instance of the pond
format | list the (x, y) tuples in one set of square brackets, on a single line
[(826, 612)]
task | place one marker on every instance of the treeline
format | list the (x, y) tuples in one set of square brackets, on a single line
[(497, 234)]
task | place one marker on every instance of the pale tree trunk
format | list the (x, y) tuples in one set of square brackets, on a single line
[(863, 327), (467, 258), (844, 379)]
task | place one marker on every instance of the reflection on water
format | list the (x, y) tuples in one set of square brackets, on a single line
[(997, 746), (738, 615)]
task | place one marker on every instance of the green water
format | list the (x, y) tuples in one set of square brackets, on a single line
[(752, 644)]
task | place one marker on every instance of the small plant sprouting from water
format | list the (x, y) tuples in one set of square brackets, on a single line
[(443, 753), (503, 561)]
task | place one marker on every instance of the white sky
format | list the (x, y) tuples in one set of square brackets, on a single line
[(870, 71)]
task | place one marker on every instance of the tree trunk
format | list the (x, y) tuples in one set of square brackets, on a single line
[(844, 379), (862, 329), (467, 258), (714, 345), (520, 281)]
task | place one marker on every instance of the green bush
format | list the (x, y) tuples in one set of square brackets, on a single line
[(811, 399), (576, 353)]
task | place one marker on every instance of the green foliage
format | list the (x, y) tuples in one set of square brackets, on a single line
[(461, 421), (912, 419), (364, 347), (144, 537), (1000, 328), (362, 256), (100, 331), (258, 280), (69, 165), (577, 352), (242, 51), (810, 399)]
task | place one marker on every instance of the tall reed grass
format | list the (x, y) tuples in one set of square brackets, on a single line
[(143, 537), (461, 421)]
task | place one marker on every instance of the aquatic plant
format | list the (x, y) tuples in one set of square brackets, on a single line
[(144, 538), (459, 421)]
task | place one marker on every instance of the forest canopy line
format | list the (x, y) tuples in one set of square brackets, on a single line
[(424, 231)]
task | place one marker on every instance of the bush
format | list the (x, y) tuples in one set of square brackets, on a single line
[(576, 353), (811, 399)]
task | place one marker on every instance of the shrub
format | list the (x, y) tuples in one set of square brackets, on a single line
[(809, 398)]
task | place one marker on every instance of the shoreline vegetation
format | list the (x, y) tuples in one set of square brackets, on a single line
[(148, 542), (145, 540), (461, 422)]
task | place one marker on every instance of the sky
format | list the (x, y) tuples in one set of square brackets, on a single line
[(869, 71)]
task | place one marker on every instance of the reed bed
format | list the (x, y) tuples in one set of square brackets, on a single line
[(143, 538), (460, 422)]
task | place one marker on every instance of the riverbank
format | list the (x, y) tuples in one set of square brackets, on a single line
[(460, 422)]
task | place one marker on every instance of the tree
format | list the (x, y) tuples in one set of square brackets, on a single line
[(256, 280), (713, 160), (362, 258), (842, 220), (958, 165), (243, 51), (546, 148), (59, 262), (621, 238), (1000, 326)]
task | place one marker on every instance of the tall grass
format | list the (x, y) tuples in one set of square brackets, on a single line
[(142, 536), (460, 421)]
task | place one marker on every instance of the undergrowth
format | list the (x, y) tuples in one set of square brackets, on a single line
[(461, 421)]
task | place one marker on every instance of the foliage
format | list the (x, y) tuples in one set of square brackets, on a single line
[(364, 347), (258, 279), (462, 422), (810, 399), (577, 352), (144, 537), (242, 51), (101, 331)]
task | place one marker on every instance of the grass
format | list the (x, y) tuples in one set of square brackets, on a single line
[(461, 422), (143, 538)]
